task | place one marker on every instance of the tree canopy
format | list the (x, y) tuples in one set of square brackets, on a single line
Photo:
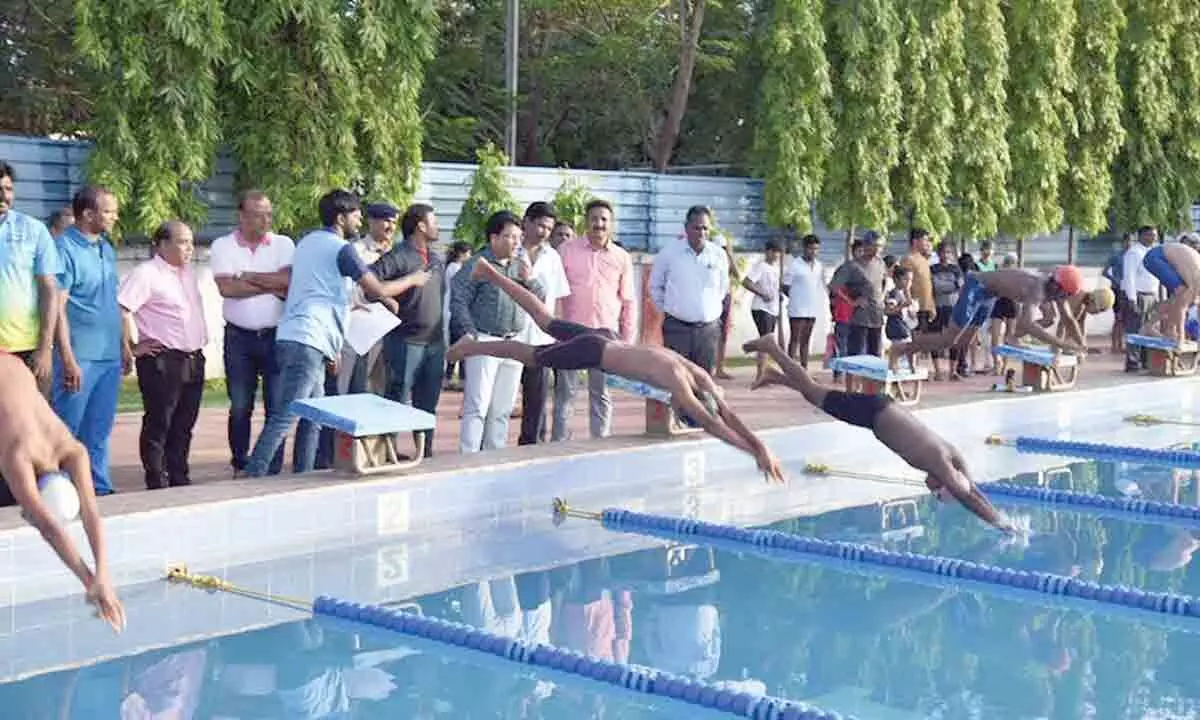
[(964, 116)]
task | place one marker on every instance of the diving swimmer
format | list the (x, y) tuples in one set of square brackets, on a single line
[(898, 429), (578, 347)]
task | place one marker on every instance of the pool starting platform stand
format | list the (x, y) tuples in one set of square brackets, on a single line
[(1168, 358), (661, 420), (367, 428), (1041, 368), (870, 375)]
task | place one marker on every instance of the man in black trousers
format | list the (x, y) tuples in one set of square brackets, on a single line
[(547, 268)]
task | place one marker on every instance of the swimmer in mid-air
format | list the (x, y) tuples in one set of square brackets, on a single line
[(1027, 289), (946, 470), (33, 442), (578, 347), (1177, 267)]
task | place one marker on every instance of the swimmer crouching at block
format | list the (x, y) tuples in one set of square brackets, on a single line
[(897, 428), (33, 442), (579, 347)]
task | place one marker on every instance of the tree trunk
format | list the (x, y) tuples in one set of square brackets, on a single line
[(668, 134)]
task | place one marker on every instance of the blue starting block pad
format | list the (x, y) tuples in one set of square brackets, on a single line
[(1041, 371), (1168, 359), (1152, 342), (635, 387), (367, 426), (1036, 356), (903, 384)]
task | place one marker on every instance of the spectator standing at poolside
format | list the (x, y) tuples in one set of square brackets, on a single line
[(724, 242), (314, 323), (600, 276), (480, 310), (458, 254), (60, 220), (366, 373), (1114, 272), (763, 281), (93, 353), (920, 250), (29, 305), (841, 306), (688, 284), (562, 233), (987, 259), (547, 269), (161, 297), (252, 268), (948, 279), (804, 285), (864, 281), (416, 350), (1141, 292)]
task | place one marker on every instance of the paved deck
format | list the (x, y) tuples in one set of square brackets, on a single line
[(771, 407)]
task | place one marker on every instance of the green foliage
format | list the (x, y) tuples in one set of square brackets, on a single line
[(570, 202), (155, 118), (44, 79), (1183, 145), (794, 134), (981, 166), (1040, 34), (292, 95), (391, 71), (489, 194), (864, 55), (931, 68), (1144, 179), (1087, 185)]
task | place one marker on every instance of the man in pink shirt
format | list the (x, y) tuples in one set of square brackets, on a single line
[(600, 276), (162, 298)]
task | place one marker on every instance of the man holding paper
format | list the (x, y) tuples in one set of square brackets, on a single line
[(415, 352)]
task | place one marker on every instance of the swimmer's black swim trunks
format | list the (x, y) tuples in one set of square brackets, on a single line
[(855, 408), (579, 347)]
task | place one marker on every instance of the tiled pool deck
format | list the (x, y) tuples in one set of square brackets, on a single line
[(465, 518)]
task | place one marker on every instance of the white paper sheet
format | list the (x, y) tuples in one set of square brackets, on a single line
[(367, 326)]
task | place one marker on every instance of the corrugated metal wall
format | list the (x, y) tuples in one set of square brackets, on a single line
[(649, 207)]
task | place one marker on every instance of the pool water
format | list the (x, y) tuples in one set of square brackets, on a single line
[(856, 642)]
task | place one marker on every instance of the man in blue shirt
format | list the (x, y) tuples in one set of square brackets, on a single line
[(28, 291), (309, 336), (93, 352), (1114, 270)]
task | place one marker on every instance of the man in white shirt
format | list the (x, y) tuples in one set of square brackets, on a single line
[(763, 281), (804, 284), (688, 285), (1141, 292), (547, 268), (252, 268)]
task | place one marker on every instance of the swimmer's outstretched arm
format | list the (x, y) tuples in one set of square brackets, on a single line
[(973, 499), (1026, 325), (725, 424)]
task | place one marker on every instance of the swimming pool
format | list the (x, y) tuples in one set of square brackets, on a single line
[(859, 643), (757, 624)]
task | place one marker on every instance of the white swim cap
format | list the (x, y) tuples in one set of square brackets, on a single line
[(60, 496)]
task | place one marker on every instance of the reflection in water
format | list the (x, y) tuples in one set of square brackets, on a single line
[(860, 644)]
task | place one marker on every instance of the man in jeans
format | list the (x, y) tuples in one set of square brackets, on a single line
[(252, 267), (415, 351), (310, 333), (865, 287)]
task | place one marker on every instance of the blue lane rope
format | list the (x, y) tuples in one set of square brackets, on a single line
[(1101, 451), (1142, 509), (1039, 582), (643, 680)]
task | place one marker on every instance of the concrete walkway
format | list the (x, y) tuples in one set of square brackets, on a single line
[(772, 407)]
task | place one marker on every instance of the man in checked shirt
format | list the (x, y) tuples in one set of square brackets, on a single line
[(485, 313)]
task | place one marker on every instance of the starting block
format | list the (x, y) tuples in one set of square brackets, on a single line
[(869, 374), (366, 427), (1040, 369), (1167, 359), (660, 418)]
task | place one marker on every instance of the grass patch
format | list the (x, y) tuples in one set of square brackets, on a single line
[(130, 398)]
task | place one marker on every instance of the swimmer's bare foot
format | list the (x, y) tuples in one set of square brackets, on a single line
[(461, 349), (769, 376), (764, 344), (483, 270)]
